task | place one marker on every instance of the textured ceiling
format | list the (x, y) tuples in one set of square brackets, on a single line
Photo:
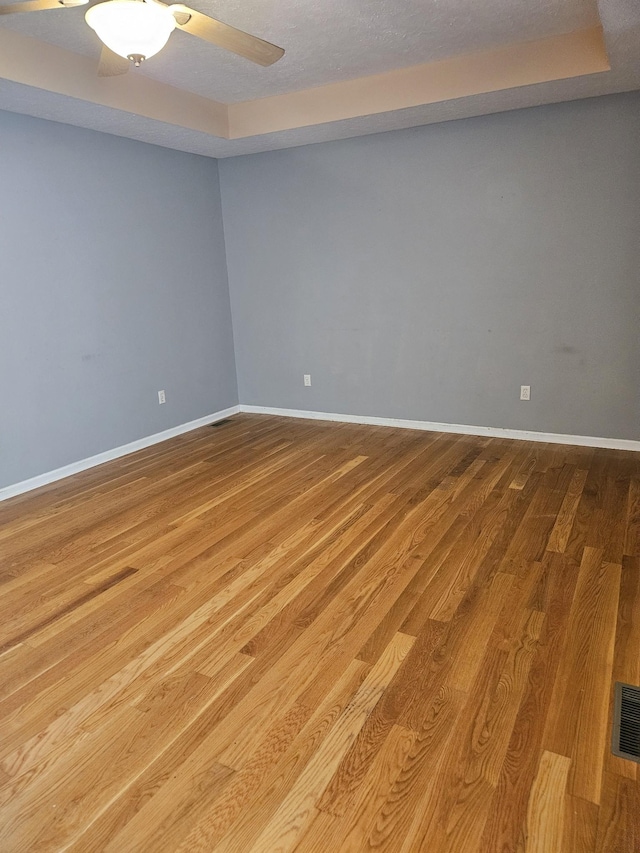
[(325, 40), (328, 42)]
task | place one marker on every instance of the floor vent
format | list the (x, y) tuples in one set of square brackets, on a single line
[(626, 722), (219, 423)]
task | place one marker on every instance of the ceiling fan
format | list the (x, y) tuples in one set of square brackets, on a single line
[(133, 30)]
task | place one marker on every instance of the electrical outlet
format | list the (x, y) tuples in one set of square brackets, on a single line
[(161, 398), (525, 392), (307, 379)]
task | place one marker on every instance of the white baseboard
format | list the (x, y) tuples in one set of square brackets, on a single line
[(108, 455), (464, 429)]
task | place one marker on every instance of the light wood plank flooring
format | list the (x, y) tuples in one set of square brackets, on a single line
[(276, 635)]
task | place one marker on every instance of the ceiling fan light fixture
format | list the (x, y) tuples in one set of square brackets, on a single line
[(131, 28)]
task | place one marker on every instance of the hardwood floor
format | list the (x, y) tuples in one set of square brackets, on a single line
[(276, 635)]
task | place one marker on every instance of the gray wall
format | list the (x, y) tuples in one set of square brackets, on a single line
[(417, 274), (113, 286), (429, 273)]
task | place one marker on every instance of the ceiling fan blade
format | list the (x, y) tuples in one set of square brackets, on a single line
[(40, 5), (111, 64), (222, 35)]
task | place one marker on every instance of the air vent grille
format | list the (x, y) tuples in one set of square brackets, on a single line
[(219, 423), (626, 722)]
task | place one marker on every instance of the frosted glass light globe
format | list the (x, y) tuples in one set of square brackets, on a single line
[(131, 28)]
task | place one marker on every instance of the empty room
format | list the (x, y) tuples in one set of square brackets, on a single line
[(320, 426)]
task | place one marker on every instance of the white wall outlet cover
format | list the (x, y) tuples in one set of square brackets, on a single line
[(525, 392), (307, 379), (161, 398)]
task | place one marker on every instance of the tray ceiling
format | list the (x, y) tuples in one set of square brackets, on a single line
[(357, 67)]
